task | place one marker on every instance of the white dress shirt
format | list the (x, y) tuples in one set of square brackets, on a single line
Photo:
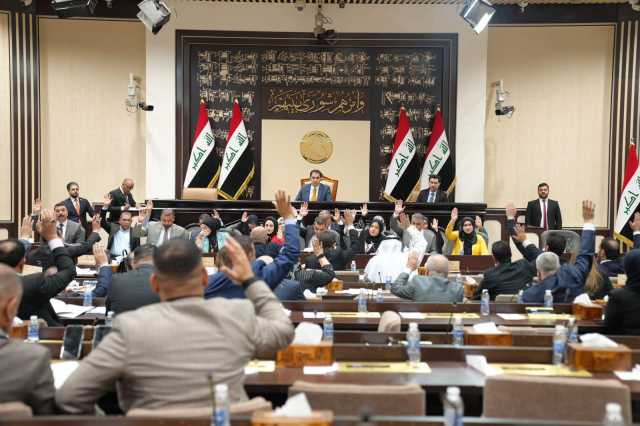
[(121, 242)]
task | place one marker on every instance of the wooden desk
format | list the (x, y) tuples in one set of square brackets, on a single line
[(468, 264)]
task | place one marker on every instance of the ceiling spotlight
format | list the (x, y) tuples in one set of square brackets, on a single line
[(300, 4), (477, 13), (109, 3), (342, 3), (69, 8), (323, 35), (153, 14)]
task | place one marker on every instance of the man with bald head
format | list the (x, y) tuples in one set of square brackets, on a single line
[(161, 355), (159, 233), (26, 375), (120, 199), (433, 288)]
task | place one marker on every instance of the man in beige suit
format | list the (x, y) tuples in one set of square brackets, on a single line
[(161, 355), (26, 375)]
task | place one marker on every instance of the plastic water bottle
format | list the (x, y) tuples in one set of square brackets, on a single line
[(613, 415), (572, 330), (453, 407), (485, 310), (353, 266), (362, 301), (458, 331), (109, 320), (33, 332), (379, 296), (548, 299), (221, 411), (387, 282), (413, 344), (520, 297), (327, 327), (88, 297), (559, 343)]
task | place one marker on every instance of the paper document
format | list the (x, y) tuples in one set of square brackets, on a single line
[(99, 310), (66, 310), (412, 315), (62, 370), (513, 317), (85, 272), (320, 369)]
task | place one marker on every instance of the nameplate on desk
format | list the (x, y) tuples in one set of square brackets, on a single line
[(269, 418), (472, 337), (260, 366), (547, 370), (548, 316), (312, 315), (383, 367), (297, 356), (437, 315), (209, 262)]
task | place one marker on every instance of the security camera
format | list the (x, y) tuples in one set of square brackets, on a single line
[(145, 107), (342, 4), (323, 35), (501, 97)]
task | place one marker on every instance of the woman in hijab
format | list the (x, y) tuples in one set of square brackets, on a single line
[(206, 238), (370, 238), (467, 242), (622, 315)]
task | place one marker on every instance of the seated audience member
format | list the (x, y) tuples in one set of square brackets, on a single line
[(565, 281), (506, 277), (467, 242), (122, 237), (544, 212), (160, 355), (433, 194), (38, 288), (71, 232), (206, 238), (43, 257), (339, 258), (158, 233), (315, 191), (388, 262), (308, 278), (271, 225), (119, 200), (369, 239), (26, 375), (323, 222), (433, 288), (261, 244), (272, 271), (77, 206), (246, 224), (622, 315), (399, 222), (278, 237)]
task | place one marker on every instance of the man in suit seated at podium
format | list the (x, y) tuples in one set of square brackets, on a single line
[(315, 191), (433, 194)]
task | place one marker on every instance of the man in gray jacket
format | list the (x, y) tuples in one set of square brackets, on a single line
[(161, 355), (433, 288), (26, 375)]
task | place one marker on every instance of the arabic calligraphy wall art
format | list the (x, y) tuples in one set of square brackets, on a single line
[(290, 76)]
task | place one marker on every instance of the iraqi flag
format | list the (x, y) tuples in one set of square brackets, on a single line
[(237, 162), (204, 165), (630, 197), (438, 160), (404, 169)]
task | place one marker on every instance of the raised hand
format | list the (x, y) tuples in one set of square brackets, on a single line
[(317, 247), (304, 209), (106, 200), (434, 224), (478, 222), (25, 228), (588, 210), (412, 260), (336, 215), (364, 210), (216, 215), (511, 211), (37, 205), (404, 220), (95, 222), (47, 225), (100, 254), (520, 236), (349, 217), (398, 208), (241, 269), (283, 205), (454, 214)]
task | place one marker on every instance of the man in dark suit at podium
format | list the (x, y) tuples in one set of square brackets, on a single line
[(544, 213), (77, 207), (121, 200), (433, 194), (315, 191)]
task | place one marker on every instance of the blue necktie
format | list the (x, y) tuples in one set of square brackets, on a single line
[(432, 196)]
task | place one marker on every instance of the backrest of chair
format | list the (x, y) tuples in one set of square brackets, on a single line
[(244, 407), (331, 183), (573, 239), (14, 409), (552, 398), (349, 399), (206, 194), (390, 322)]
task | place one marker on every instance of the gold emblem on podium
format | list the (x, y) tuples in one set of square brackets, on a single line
[(316, 147)]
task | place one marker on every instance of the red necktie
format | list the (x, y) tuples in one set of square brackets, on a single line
[(544, 214)]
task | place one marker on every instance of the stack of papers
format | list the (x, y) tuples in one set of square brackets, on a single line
[(65, 310), (85, 272), (62, 370)]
